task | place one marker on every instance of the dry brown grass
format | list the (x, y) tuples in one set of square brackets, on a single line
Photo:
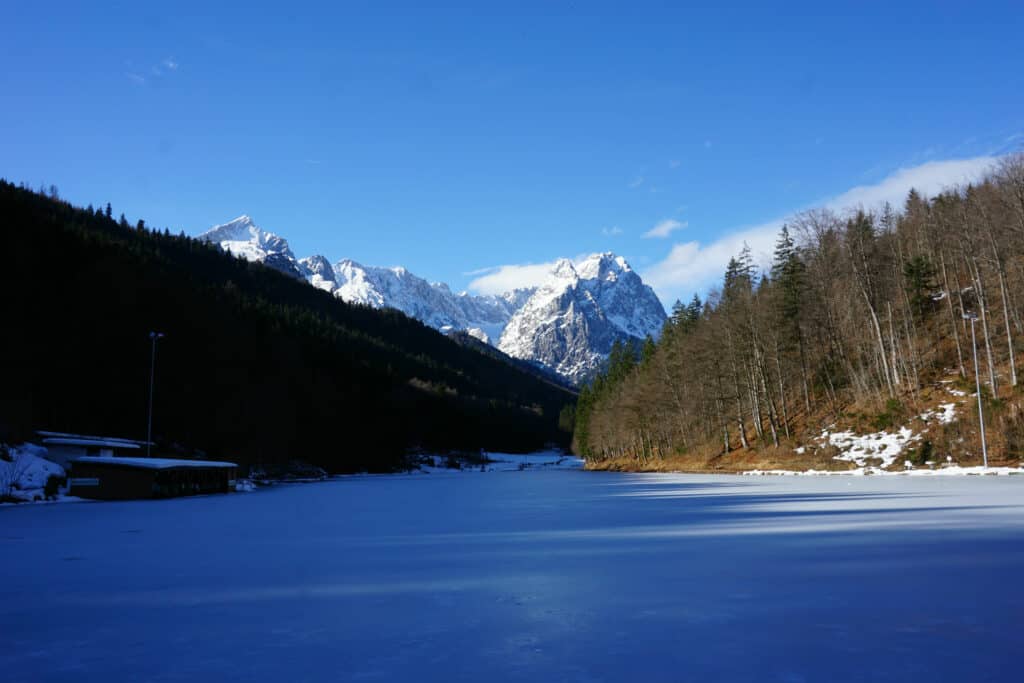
[(960, 440), (741, 460)]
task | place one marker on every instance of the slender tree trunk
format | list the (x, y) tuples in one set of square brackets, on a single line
[(782, 390), (972, 265), (952, 315), (893, 348), (881, 343), (803, 375), (1006, 310)]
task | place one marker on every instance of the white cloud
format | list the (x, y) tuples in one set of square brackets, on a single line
[(691, 266), (612, 231), (929, 179), (665, 228), (501, 279), (636, 182), (170, 64)]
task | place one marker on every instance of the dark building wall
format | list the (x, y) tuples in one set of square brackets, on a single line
[(112, 482), (107, 481)]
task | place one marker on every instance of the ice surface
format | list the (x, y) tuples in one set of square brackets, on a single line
[(541, 575)]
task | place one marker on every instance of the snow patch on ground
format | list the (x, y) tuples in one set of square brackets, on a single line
[(27, 471), (881, 445), (876, 452), (949, 471), (945, 413)]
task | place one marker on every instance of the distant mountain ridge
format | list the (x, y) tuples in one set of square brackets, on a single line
[(567, 324)]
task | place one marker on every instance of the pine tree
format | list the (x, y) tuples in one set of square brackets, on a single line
[(920, 282)]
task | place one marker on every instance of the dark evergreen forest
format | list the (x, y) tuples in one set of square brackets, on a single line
[(255, 366)]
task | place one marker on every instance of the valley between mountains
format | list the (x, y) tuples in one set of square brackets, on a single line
[(566, 324)]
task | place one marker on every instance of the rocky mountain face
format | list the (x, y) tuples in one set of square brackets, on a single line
[(571, 321), (567, 324)]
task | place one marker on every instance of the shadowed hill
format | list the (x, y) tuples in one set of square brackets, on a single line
[(256, 366)]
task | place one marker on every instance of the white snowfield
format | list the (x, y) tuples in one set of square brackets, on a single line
[(541, 575)]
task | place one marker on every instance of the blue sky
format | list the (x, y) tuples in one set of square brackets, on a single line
[(459, 139)]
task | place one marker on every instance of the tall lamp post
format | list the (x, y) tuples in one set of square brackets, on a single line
[(977, 385), (153, 336)]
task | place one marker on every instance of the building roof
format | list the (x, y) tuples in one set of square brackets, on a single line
[(151, 463), (64, 439)]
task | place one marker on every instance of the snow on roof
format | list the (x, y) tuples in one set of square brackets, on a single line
[(102, 443), (151, 463), (65, 439)]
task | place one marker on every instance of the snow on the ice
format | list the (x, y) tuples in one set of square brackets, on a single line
[(540, 575)]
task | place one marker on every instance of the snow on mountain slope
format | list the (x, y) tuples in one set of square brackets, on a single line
[(432, 303), (244, 239), (317, 269), (572, 320), (567, 324)]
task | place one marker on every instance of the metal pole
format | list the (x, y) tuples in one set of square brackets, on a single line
[(977, 385), (152, 373)]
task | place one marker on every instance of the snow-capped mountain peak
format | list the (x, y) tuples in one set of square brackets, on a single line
[(244, 239), (570, 323), (567, 323)]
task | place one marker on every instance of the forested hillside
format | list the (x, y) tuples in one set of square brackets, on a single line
[(255, 366), (859, 321)]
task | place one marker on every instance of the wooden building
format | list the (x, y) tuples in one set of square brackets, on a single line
[(117, 478)]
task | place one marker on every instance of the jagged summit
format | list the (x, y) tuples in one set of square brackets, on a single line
[(243, 238), (571, 321), (567, 323)]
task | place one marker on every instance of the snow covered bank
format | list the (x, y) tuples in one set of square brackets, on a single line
[(951, 471), (24, 472), (500, 462)]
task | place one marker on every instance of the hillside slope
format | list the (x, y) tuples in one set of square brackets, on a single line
[(256, 366), (854, 350)]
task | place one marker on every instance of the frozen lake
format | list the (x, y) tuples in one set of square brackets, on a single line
[(524, 576)]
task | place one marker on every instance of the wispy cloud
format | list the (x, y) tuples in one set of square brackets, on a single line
[(675, 163), (636, 182), (693, 265), (501, 279), (612, 231), (665, 228), (165, 66)]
